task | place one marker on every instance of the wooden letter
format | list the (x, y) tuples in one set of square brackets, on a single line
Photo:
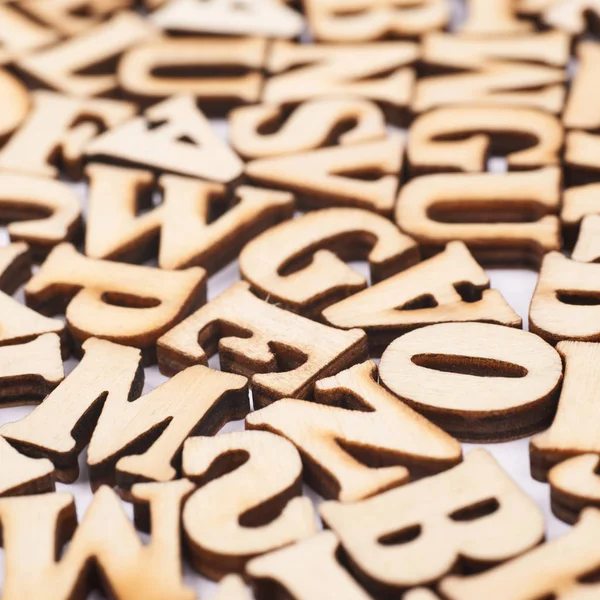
[(313, 124), (30, 371), (232, 587), (581, 112), (575, 17), (566, 301), (269, 262), (335, 176), (115, 232), (53, 206), (461, 138), (19, 324), (488, 18), (56, 131), (172, 136), (353, 416), (149, 72), (576, 426), (526, 70), (14, 101), (578, 202), (128, 304), (21, 475), (139, 439), (413, 535), (266, 18), (582, 153), (250, 503), (105, 544), (308, 570), (562, 569), (364, 20), (506, 219), (574, 485), (283, 353), (60, 66), (448, 287), (498, 383), (380, 72)]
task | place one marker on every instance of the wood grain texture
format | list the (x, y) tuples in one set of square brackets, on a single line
[(284, 354), (313, 124), (332, 176), (448, 287), (308, 570), (416, 534), (36, 527), (381, 72), (526, 70), (56, 131), (462, 138), (249, 501), (356, 439), (149, 72), (19, 324), (30, 371), (363, 21), (59, 67), (557, 569), (564, 305), (180, 225), (506, 220), (298, 264), (39, 211), (128, 304), (587, 248), (498, 383), (162, 149), (267, 18), (14, 101)]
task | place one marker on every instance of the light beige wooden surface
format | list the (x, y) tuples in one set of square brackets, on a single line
[(308, 570), (313, 124), (249, 501), (284, 354), (526, 70), (461, 138), (127, 304), (450, 286), (488, 19), (148, 71), (357, 439), (416, 534), (364, 21), (60, 125), (105, 543), (39, 211), (59, 66), (564, 305), (298, 264), (554, 570), (180, 223), (14, 101), (479, 382), (267, 18), (332, 176), (506, 220), (161, 148)]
